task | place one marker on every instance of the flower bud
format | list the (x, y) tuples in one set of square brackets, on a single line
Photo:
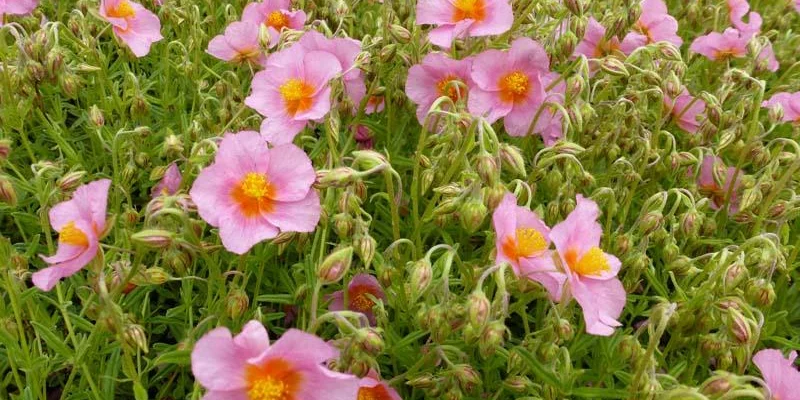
[(421, 276), (336, 265), (135, 337), (154, 238), (236, 303), (399, 33), (466, 376), (718, 385), (615, 67), (492, 196), (565, 330), (739, 327), (96, 117), (387, 53), (517, 384), (71, 180), (423, 381), (761, 292), (369, 159), (478, 307), (491, 338), (365, 248), (512, 159), (651, 222), (775, 114), (7, 193), (139, 106), (156, 276), (338, 177), (734, 275), (371, 341), (472, 213), (486, 167)]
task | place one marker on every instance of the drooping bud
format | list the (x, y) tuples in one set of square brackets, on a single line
[(491, 338), (336, 265), (154, 238), (512, 159), (7, 193), (421, 276), (135, 337), (96, 117), (761, 292), (236, 303), (365, 248), (399, 33), (466, 376), (478, 307), (156, 276), (338, 177), (71, 180), (472, 213), (486, 167), (734, 275)]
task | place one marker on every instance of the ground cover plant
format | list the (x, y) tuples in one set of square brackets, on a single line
[(430, 199)]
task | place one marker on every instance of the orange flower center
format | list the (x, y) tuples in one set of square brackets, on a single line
[(725, 54), (593, 262), (358, 299), (714, 192), (275, 380), (375, 101), (514, 87), (122, 10), (527, 242), (451, 87), (70, 234), (277, 20), (296, 96), (469, 9), (644, 30), (379, 392), (254, 194), (606, 47), (247, 54)]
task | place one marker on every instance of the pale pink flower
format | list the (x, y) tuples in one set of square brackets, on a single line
[(591, 273), (371, 388), (721, 46), (346, 51), (595, 45), (654, 25), (275, 15), (358, 291), (16, 7), (797, 5), (238, 44), (789, 102), (79, 222), (767, 56), (549, 121), (779, 372), (135, 25), (247, 366), (292, 90), (686, 110), (252, 192), (170, 183), (737, 11), (462, 18), (437, 76), (512, 84), (712, 187), (523, 240)]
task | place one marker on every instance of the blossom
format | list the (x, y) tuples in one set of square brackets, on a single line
[(591, 273), (375, 104), (251, 191), (654, 25), (135, 25), (709, 186), (247, 366), (170, 183), (292, 90), (438, 75), (358, 300), (461, 18), (721, 46), (238, 44), (789, 102), (780, 374), (346, 51), (767, 57), (16, 7), (79, 222), (595, 45), (370, 388), (363, 137), (275, 15), (737, 10), (522, 241), (686, 110)]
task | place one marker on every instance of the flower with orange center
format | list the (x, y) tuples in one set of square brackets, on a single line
[(123, 9), (469, 9), (606, 47), (71, 235), (378, 392), (593, 262), (274, 380), (361, 291), (277, 20), (254, 195), (297, 96), (527, 242), (514, 87), (452, 87)]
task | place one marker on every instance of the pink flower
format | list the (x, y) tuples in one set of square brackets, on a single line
[(79, 223), (595, 45), (522, 240), (246, 366), (686, 110), (780, 374), (767, 57), (790, 102), (654, 25), (238, 44), (363, 137), (462, 18), (275, 15), (709, 186), (591, 273), (293, 90), (375, 104), (738, 9), (721, 46), (16, 7), (357, 300), (170, 183), (346, 51), (373, 389), (438, 75), (251, 191), (135, 25)]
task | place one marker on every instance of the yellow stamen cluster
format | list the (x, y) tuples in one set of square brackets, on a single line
[(70, 234)]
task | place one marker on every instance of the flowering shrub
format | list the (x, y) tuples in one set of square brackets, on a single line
[(430, 199)]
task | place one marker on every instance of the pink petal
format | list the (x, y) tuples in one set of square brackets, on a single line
[(580, 230), (542, 269), (602, 303), (296, 216), (291, 172), (218, 363), (239, 233), (278, 131), (302, 346)]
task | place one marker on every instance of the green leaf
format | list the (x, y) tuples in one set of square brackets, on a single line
[(176, 357), (53, 341), (544, 374), (600, 393)]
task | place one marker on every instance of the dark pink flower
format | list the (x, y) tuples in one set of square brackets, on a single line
[(714, 188), (686, 110), (363, 137), (358, 300)]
